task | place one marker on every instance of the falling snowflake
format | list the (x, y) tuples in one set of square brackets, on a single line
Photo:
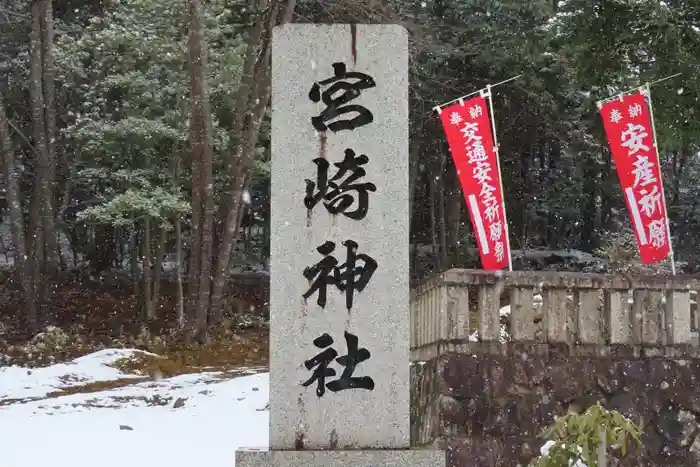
[(475, 111), (615, 116), (455, 118)]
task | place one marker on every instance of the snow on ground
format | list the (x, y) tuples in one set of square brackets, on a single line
[(21, 383), (192, 419), (544, 452)]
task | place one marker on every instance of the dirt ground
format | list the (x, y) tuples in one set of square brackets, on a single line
[(85, 318)]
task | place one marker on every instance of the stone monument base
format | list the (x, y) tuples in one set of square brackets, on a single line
[(364, 458)]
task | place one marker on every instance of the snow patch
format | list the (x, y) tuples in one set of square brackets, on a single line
[(544, 451), (21, 383), (192, 419)]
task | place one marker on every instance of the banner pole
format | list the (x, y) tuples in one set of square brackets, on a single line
[(489, 95), (616, 96), (438, 108), (647, 88)]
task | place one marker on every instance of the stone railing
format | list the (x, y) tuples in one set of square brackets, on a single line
[(498, 355), (462, 308)]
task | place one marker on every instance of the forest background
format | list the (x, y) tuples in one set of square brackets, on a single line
[(134, 137)]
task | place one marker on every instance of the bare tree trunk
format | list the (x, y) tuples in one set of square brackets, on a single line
[(195, 253), (158, 267), (238, 169), (134, 257), (204, 296), (147, 276), (37, 224), (178, 270), (15, 213), (413, 179), (267, 227), (589, 207), (233, 217), (526, 191), (679, 164), (61, 225), (442, 224), (433, 222), (180, 307), (454, 218), (413, 166), (221, 277), (226, 218), (606, 190), (194, 259), (149, 311), (48, 83), (49, 89), (202, 148), (255, 39)]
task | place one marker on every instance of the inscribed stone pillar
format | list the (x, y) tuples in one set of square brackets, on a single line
[(339, 279)]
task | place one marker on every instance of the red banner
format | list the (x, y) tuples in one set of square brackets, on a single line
[(468, 131), (631, 137)]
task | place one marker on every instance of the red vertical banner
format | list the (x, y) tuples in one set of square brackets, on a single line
[(631, 138), (468, 131)]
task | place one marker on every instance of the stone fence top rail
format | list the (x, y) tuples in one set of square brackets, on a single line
[(553, 279), (485, 307)]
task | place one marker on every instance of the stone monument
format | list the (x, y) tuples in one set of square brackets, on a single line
[(339, 283)]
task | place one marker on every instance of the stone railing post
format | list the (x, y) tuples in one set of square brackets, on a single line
[(596, 310), (602, 450)]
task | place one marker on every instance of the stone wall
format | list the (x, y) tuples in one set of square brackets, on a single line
[(488, 410)]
